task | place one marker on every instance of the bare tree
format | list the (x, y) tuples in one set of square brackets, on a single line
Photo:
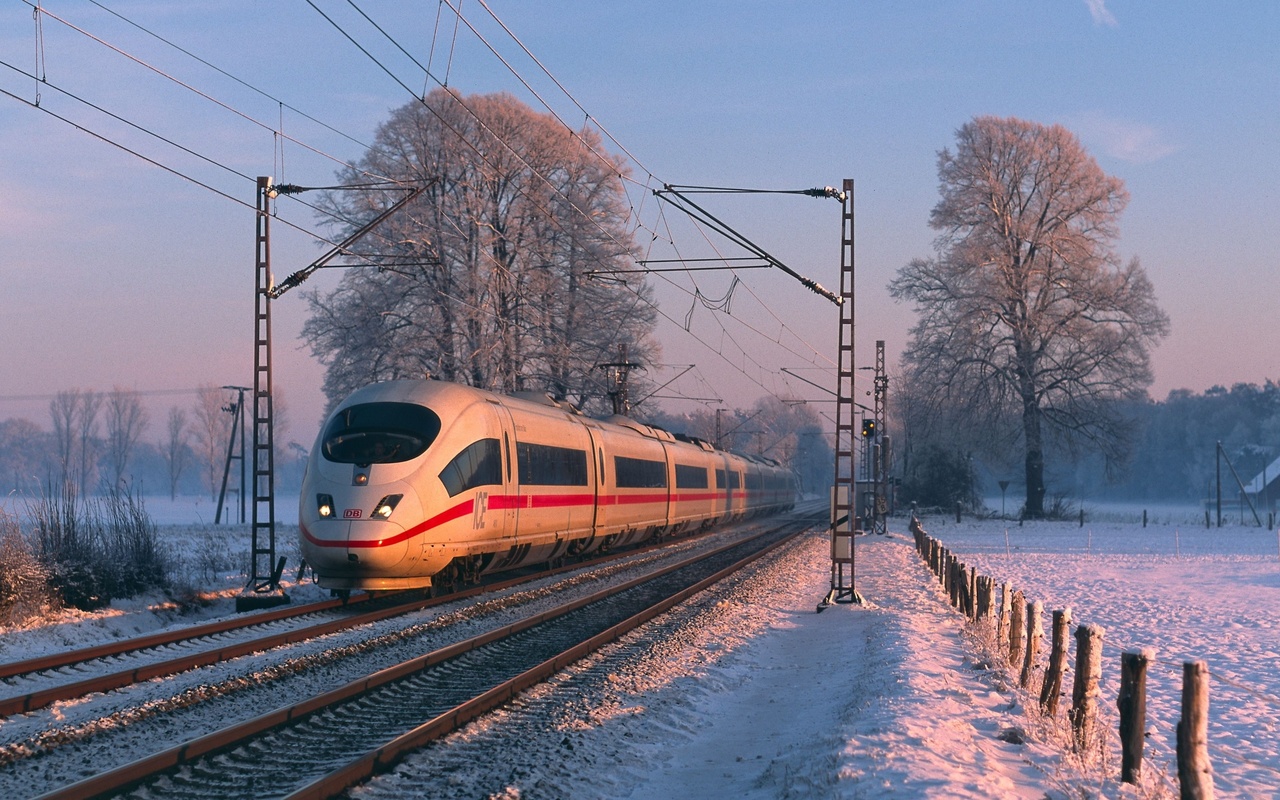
[(1026, 311), (87, 427), (126, 421), (75, 430), (213, 430), (175, 448), (62, 410), (487, 277)]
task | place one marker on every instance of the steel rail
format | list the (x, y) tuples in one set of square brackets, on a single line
[(69, 657), (136, 772)]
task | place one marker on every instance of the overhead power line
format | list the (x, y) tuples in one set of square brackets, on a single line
[(699, 213)]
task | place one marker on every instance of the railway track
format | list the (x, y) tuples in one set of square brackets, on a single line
[(321, 745), (40, 682)]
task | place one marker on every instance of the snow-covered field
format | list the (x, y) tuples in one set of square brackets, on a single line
[(1190, 593), (747, 692)]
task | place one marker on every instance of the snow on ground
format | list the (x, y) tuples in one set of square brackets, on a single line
[(745, 691)]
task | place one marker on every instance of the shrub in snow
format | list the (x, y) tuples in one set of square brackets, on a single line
[(97, 550), (24, 588)]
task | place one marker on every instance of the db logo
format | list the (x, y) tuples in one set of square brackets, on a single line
[(351, 513)]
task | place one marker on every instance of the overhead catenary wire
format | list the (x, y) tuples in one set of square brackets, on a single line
[(41, 11), (277, 132), (185, 85), (235, 78)]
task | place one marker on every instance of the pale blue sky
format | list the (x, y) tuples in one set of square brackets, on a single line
[(116, 272)]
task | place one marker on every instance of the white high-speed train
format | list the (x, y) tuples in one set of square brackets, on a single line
[(419, 483)]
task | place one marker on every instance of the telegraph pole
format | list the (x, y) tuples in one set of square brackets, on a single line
[(263, 589), (236, 410), (618, 371)]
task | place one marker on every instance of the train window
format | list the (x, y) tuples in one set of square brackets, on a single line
[(753, 481), (733, 479), (479, 465), (638, 473), (719, 479), (545, 465), (691, 477), (380, 433)]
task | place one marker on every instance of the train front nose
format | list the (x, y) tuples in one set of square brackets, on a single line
[(354, 554)]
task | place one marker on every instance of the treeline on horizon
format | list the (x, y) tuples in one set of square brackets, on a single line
[(1174, 457)]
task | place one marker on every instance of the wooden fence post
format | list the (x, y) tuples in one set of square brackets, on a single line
[(1006, 603), (1015, 629), (1195, 773), (1084, 692), (1035, 632), (1052, 688), (1132, 703)]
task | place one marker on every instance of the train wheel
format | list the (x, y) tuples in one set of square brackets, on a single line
[(446, 580)]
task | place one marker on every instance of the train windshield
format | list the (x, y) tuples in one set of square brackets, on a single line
[(380, 433)]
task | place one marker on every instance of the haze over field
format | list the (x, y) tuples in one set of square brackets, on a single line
[(118, 272)]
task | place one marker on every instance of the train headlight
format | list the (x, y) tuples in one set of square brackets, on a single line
[(324, 505), (386, 505)]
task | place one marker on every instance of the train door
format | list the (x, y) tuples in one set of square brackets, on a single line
[(722, 474), (597, 469), (505, 506)]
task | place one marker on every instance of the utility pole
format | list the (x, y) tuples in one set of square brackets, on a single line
[(236, 410), (618, 371)]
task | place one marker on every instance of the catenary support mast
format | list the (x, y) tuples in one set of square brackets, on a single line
[(843, 519), (263, 588)]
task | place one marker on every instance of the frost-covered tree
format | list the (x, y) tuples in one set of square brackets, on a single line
[(1026, 311), (489, 276)]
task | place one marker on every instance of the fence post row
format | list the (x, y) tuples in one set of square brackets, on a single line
[(974, 595)]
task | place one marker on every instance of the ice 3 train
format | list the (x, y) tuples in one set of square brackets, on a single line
[(424, 483)]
